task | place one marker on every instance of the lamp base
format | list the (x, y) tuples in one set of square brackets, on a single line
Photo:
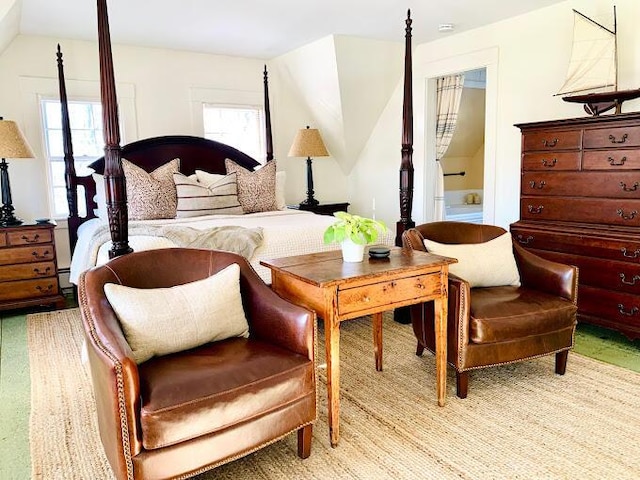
[(310, 202), (7, 218)]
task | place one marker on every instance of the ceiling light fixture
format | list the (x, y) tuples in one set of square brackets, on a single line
[(445, 27)]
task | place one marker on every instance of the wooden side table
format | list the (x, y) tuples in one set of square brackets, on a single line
[(322, 208), (339, 291)]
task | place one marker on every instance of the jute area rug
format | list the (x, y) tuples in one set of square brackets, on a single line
[(519, 422)]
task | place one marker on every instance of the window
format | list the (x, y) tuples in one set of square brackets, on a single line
[(88, 144), (238, 126)]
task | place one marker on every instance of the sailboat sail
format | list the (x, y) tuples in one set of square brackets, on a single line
[(593, 58)]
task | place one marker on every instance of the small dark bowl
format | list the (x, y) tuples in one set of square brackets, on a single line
[(379, 252)]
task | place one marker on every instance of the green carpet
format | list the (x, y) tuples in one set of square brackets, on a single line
[(591, 341)]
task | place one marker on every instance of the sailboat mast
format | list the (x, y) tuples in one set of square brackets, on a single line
[(615, 42)]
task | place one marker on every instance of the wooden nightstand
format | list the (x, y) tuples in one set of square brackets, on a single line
[(28, 267), (323, 208)]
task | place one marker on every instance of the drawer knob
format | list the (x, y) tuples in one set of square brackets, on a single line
[(44, 273), (629, 216), (549, 163), (627, 282), (524, 241), (540, 185), (366, 299), (615, 140), (44, 290), (550, 143), (636, 253), (629, 313), (33, 239), (535, 210), (39, 256), (629, 189), (613, 163)]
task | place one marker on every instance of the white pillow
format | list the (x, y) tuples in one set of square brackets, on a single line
[(488, 264), (208, 178), (160, 321), (101, 196), (197, 198)]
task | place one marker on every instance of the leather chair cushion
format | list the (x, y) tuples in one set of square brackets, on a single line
[(500, 314), (207, 389)]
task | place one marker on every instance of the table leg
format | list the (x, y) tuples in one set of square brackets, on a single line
[(440, 324), (377, 339), (332, 347)]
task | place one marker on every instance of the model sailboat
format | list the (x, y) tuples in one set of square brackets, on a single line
[(593, 68)]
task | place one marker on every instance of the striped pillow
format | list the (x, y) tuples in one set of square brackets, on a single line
[(195, 198)]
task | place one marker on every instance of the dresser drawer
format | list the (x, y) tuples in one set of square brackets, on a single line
[(583, 243), (36, 253), (29, 237), (617, 137), (582, 184), (615, 307), (611, 160), (581, 210), (27, 270), (551, 140), (3, 239), (387, 293), (22, 289), (551, 161)]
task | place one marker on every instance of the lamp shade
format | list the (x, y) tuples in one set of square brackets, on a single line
[(12, 141), (308, 143)]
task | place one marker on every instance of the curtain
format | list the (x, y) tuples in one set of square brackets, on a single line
[(448, 94)]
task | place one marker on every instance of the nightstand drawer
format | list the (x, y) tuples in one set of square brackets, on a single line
[(29, 237), (25, 271), (37, 253), (22, 289), (387, 293)]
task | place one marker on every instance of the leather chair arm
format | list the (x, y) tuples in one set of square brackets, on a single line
[(274, 319), (545, 275), (413, 239)]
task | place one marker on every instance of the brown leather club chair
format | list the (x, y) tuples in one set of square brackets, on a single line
[(497, 325), (263, 386)]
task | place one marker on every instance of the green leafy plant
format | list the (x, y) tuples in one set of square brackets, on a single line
[(360, 230)]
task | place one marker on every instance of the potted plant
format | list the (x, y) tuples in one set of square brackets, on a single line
[(353, 232)]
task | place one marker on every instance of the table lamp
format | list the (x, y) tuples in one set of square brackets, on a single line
[(12, 145), (308, 143)]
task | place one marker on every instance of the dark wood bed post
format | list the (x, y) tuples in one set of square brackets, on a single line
[(406, 165), (113, 174), (69, 168), (267, 115)]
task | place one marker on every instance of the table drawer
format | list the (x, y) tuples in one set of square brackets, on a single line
[(618, 137), (37, 253), (611, 160), (27, 270), (387, 293), (551, 161), (582, 210), (582, 184), (616, 307), (551, 140), (29, 237), (20, 289)]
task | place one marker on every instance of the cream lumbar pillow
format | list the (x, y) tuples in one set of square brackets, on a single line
[(197, 198), (160, 321), (488, 264)]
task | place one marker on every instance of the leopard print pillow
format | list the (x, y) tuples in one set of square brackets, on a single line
[(257, 189), (151, 195)]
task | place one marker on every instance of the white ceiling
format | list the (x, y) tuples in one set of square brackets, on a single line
[(261, 28)]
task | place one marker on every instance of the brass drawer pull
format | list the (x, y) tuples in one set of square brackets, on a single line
[(622, 140), (630, 216), (635, 254), (524, 241), (630, 313), (46, 272), (549, 163), (612, 161), (629, 189), (540, 186), (34, 239), (550, 143), (39, 256), (626, 282), (44, 290), (535, 210)]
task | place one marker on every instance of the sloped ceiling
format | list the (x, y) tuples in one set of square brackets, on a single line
[(10, 11), (344, 83)]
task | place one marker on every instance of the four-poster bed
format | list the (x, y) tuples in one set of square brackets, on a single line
[(294, 236)]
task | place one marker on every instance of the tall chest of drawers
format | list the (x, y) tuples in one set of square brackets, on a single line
[(580, 204), (28, 267)]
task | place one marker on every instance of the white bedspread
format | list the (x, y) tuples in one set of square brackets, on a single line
[(286, 233)]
